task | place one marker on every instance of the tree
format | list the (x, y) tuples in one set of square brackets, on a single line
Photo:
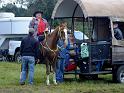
[(46, 6), (0, 1), (14, 9)]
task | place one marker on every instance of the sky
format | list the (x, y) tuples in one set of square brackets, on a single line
[(8, 1), (11, 1)]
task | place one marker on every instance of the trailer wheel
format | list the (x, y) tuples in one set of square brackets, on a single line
[(120, 74), (18, 57)]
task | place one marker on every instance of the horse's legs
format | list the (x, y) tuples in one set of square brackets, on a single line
[(47, 72), (48, 81), (54, 73), (54, 78)]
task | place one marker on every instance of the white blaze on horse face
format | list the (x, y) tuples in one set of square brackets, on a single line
[(66, 36), (63, 26), (48, 81)]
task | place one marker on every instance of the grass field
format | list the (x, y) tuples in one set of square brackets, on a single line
[(9, 82)]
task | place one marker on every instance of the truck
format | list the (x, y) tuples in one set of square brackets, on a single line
[(12, 30)]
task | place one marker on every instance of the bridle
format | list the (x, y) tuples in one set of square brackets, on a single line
[(60, 37)]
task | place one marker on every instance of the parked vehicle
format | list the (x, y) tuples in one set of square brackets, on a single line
[(12, 30), (98, 17)]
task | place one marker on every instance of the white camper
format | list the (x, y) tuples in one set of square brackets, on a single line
[(12, 30)]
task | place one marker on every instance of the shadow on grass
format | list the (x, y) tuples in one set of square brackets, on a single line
[(100, 79)]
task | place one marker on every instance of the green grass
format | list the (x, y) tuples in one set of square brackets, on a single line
[(9, 82)]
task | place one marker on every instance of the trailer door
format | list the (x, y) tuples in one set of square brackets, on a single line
[(117, 44)]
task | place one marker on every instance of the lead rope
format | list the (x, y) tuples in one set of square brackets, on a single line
[(54, 51)]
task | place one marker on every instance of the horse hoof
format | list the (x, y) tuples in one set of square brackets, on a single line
[(55, 83), (48, 84)]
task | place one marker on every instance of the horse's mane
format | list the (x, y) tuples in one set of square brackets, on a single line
[(53, 31), (56, 29)]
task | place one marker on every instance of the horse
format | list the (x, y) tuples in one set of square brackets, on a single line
[(49, 50)]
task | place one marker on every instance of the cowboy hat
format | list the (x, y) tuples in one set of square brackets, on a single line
[(37, 13)]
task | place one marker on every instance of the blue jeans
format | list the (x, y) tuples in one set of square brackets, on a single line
[(60, 70), (28, 62), (67, 60)]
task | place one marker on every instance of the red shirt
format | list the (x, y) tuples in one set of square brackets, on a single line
[(41, 27)]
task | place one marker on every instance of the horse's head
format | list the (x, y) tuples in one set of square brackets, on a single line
[(61, 32)]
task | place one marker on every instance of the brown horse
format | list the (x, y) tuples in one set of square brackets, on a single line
[(49, 50)]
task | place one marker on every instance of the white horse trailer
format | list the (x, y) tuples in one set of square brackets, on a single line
[(12, 30)]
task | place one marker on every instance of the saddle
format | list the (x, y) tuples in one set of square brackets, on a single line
[(41, 38)]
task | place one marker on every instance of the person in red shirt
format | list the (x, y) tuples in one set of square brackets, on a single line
[(39, 24)]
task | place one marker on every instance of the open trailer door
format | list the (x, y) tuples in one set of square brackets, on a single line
[(117, 42), (117, 50)]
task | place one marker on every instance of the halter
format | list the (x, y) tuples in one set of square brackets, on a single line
[(59, 34)]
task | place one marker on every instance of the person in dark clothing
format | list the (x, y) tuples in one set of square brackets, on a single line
[(117, 32), (28, 51)]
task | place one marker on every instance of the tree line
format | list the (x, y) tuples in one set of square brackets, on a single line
[(46, 6)]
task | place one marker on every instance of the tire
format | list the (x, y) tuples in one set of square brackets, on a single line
[(17, 57), (89, 77), (120, 74)]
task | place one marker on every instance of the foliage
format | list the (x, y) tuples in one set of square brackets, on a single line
[(14, 9), (43, 5), (0, 1), (46, 6), (83, 28)]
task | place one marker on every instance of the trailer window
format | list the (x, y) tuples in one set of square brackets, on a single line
[(85, 27), (101, 29), (118, 28)]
